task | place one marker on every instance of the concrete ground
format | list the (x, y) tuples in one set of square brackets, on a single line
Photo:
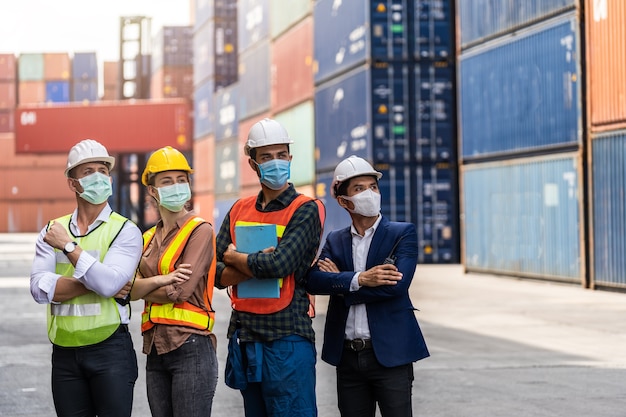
[(499, 347)]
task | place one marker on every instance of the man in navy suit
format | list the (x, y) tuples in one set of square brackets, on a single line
[(371, 334)]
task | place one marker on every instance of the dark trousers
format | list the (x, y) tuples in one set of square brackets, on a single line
[(95, 380), (362, 382), (182, 382)]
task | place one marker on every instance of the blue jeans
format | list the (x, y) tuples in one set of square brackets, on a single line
[(287, 387), (182, 382), (95, 380), (362, 382)]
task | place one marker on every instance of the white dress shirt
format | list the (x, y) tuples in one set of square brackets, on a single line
[(357, 325), (105, 278)]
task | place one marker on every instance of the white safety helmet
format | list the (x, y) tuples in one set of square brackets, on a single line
[(266, 132), (351, 167), (88, 150)]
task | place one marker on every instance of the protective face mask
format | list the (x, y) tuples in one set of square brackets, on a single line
[(275, 173), (173, 197), (366, 203), (96, 188)]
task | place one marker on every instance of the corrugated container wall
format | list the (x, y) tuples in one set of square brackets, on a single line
[(8, 68), (524, 217), (57, 66), (226, 43), (85, 66), (522, 93), (434, 30), (172, 46), (227, 112), (299, 123), (282, 18), (609, 209), (227, 167), (254, 79), (606, 59), (252, 22), (8, 91), (483, 19), (110, 80), (203, 56), (31, 67), (203, 110)]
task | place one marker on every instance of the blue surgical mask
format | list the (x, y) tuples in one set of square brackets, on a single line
[(275, 173), (96, 188), (173, 197)]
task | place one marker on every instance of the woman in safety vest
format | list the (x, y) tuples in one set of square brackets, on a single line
[(175, 278)]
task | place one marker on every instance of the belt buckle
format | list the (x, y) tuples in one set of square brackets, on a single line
[(357, 345)]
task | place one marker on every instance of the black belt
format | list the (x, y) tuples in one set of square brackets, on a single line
[(122, 329), (357, 345)]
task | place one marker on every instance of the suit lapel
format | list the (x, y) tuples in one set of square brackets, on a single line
[(378, 243), (346, 244)]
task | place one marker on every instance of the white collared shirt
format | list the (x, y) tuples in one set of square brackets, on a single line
[(104, 278), (357, 325)]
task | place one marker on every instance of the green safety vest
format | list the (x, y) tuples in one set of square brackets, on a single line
[(89, 318)]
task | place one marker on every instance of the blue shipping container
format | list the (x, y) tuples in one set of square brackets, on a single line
[(522, 93), (522, 217), (57, 91), (434, 30), (84, 66), (347, 34), (227, 167), (254, 80), (253, 22), (336, 216), (203, 53), (609, 208), (172, 47), (480, 19), (203, 110), (220, 210), (227, 119), (85, 90)]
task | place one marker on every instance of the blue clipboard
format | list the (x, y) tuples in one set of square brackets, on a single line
[(251, 239)]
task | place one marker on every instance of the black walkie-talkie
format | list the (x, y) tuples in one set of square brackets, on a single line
[(391, 258)]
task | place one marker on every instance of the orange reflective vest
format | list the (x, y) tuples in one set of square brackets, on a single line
[(244, 212), (185, 313)]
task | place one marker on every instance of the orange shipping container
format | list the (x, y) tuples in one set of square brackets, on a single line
[(31, 92), (6, 121), (606, 60), (11, 160), (169, 82), (7, 95), (26, 184), (56, 66), (31, 216), (203, 204), (292, 71), (204, 165), (127, 126), (8, 70)]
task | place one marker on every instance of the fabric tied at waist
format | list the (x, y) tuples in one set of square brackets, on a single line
[(77, 310)]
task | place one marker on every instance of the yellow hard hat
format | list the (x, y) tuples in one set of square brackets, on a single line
[(165, 159)]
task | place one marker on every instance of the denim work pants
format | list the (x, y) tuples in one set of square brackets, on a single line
[(287, 387), (362, 382), (182, 383), (95, 380)]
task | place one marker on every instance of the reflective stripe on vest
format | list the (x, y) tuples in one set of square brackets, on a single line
[(244, 212), (89, 318), (185, 313)]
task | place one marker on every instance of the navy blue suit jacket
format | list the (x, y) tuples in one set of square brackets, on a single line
[(396, 336)]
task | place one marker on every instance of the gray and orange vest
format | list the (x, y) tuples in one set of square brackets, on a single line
[(185, 313), (244, 212), (89, 318)]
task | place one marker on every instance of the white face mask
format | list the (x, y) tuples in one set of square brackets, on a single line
[(366, 203)]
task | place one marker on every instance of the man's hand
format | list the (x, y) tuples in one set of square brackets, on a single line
[(178, 276), (326, 265), (56, 236), (124, 291), (380, 275)]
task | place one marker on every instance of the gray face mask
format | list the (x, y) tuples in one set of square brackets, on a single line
[(96, 188), (366, 203)]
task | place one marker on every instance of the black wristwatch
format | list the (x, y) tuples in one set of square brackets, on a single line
[(69, 247)]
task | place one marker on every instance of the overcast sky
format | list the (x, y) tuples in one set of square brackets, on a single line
[(79, 25)]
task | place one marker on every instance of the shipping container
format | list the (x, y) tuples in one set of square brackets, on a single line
[(203, 110), (57, 91), (85, 66), (17, 184), (84, 90), (203, 206), (226, 51), (605, 22), (204, 10), (227, 167), (31, 92), (434, 30), (203, 165), (248, 178), (222, 207), (123, 127), (348, 34), (30, 67), (172, 46), (292, 71), (254, 80), (8, 67), (299, 122), (482, 19), (111, 81), (226, 112), (6, 121), (523, 217), (282, 18), (32, 216), (252, 22), (225, 10), (608, 209), (57, 66), (336, 216), (522, 93), (8, 91), (203, 53), (25, 161), (170, 82)]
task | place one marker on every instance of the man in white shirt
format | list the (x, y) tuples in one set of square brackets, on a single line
[(83, 268)]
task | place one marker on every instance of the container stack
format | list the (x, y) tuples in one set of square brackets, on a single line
[(8, 89), (172, 63), (84, 77), (384, 91), (521, 124), (57, 73)]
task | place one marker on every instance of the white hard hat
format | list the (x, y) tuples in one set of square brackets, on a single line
[(351, 167), (88, 150), (266, 132)]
